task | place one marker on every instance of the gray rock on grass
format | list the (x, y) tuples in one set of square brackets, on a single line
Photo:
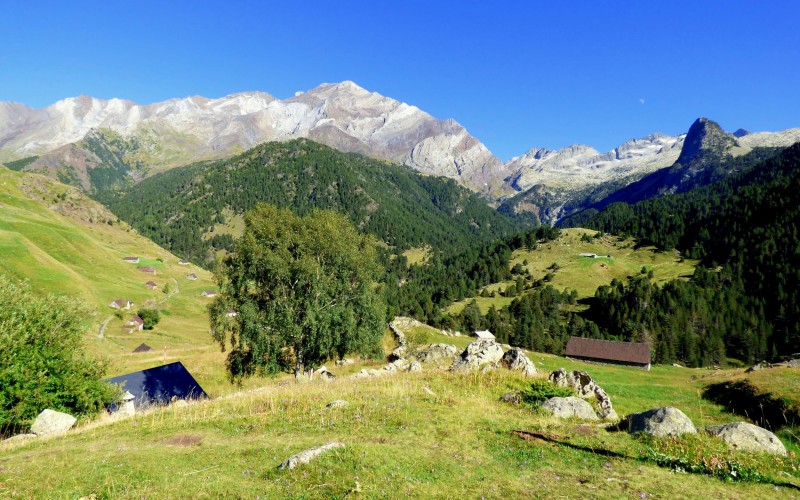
[(659, 422), (308, 455), (570, 407), (52, 422), (436, 352), (748, 437), (477, 354)]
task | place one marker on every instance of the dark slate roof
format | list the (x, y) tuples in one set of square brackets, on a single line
[(160, 384), (625, 352), (143, 348)]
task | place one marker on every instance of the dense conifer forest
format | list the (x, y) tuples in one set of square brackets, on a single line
[(744, 229)]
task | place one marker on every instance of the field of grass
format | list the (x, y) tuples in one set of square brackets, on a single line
[(617, 258), (63, 243), (417, 255), (432, 434)]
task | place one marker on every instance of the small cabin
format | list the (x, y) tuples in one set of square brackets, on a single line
[(484, 334), (121, 304), (590, 255), (191, 276), (209, 293), (183, 262), (147, 269), (609, 352), (151, 285), (131, 260), (136, 322)]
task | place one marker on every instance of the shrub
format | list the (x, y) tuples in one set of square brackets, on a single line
[(541, 390), (42, 363), (150, 317)]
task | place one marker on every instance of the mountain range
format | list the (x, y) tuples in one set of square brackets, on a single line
[(95, 144)]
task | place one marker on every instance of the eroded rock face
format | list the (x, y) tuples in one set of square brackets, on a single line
[(585, 388), (659, 422), (516, 360), (477, 355), (748, 437), (570, 407), (52, 422)]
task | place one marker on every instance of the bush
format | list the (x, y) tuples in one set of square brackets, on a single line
[(541, 390), (42, 363), (150, 317)]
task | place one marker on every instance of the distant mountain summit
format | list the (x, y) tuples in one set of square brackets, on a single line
[(179, 131)]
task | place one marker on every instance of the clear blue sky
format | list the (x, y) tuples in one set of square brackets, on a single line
[(515, 74)]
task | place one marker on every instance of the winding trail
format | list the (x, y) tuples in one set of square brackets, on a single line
[(101, 333)]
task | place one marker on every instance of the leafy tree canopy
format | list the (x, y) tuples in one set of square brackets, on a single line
[(42, 364), (303, 291)]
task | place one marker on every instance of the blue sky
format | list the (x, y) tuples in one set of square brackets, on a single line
[(515, 74)]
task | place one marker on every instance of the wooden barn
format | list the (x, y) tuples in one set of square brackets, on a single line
[(609, 352)]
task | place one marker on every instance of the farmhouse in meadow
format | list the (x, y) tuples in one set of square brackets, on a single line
[(121, 304), (147, 269), (209, 293), (151, 285), (609, 352), (134, 324), (191, 276)]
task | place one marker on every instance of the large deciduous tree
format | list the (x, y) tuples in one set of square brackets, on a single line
[(296, 292)]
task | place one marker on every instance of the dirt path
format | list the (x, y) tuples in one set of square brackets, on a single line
[(101, 333)]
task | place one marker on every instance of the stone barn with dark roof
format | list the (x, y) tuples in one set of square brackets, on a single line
[(609, 352)]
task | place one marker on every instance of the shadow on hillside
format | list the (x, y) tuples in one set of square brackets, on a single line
[(742, 398)]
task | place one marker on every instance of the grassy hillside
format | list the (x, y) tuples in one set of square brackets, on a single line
[(617, 258), (432, 434), (67, 244)]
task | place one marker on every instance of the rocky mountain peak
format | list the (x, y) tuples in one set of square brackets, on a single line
[(705, 141)]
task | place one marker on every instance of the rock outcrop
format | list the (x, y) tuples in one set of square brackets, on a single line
[(585, 388), (516, 360), (570, 407), (659, 422), (748, 437), (477, 355), (436, 352)]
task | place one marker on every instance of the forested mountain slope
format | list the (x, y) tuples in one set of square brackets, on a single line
[(194, 210), (746, 230)]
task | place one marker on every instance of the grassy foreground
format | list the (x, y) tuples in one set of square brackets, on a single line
[(432, 434)]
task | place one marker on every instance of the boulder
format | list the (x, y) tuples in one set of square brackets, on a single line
[(758, 366), (338, 403), (308, 455), (52, 422), (477, 354), (436, 352), (585, 388), (513, 397), (516, 360), (345, 361), (415, 367), (748, 437), (659, 422), (570, 407), (20, 437)]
